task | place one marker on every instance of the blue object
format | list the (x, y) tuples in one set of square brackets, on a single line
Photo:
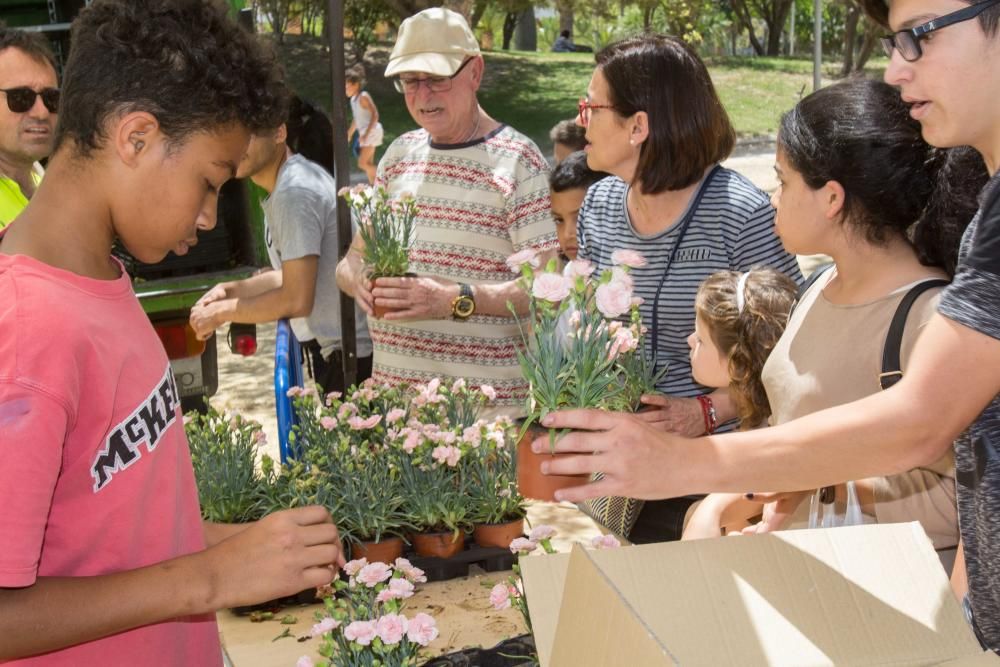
[(287, 374)]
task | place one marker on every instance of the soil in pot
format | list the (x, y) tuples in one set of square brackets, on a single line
[(498, 534), (439, 545), (386, 550), (530, 480)]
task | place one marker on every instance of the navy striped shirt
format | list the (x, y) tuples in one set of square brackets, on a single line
[(731, 228)]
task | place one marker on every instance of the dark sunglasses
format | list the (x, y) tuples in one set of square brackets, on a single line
[(21, 99), (907, 42)]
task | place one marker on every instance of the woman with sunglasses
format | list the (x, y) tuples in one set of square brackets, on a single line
[(944, 56), (653, 120)]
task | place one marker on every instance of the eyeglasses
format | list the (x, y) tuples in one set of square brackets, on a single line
[(21, 99), (435, 84), (907, 42), (584, 107)]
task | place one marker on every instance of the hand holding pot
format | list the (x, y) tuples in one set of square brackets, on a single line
[(415, 298)]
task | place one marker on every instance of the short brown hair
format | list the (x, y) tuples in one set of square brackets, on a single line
[(568, 133), (31, 43), (878, 11), (689, 129), (746, 336)]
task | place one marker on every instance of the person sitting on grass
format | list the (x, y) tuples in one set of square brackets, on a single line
[(568, 184), (105, 558)]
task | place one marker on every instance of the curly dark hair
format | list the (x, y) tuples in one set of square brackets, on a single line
[(746, 336), (31, 43), (184, 61)]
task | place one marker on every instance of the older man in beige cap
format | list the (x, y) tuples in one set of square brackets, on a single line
[(482, 192)]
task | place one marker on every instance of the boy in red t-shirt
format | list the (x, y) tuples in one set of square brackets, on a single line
[(105, 560)]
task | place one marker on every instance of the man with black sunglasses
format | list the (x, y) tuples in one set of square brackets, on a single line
[(28, 84)]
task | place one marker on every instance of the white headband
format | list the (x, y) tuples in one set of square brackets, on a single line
[(741, 287)]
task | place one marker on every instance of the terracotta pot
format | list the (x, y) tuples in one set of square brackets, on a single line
[(440, 545), (380, 311), (530, 480), (498, 534), (386, 550)]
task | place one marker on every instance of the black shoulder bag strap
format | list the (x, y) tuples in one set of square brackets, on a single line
[(891, 368)]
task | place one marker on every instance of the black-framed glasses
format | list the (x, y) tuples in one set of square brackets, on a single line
[(435, 84), (22, 98), (584, 108), (907, 42)]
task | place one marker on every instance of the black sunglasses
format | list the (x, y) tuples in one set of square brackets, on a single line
[(907, 42), (21, 99)]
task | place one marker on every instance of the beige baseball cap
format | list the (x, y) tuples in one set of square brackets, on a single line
[(436, 41)]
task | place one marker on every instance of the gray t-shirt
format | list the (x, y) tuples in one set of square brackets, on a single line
[(301, 220), (973, 300)]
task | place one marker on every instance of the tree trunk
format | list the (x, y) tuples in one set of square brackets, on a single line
[(478, 9), (868, 45), (647, 17), (850, 36), (509, 23), (526, 34), (743, 14), (566, 17)]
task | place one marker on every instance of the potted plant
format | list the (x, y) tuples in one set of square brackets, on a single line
[(490, 471), (386, 228), (364, 623), (577, 350), (224, 456)]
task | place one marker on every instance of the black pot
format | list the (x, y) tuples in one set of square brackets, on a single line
[(514, 652)]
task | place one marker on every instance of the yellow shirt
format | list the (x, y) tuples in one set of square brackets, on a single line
[(12, 200)]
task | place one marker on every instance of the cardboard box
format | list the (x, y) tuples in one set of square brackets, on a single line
[(864, 595)]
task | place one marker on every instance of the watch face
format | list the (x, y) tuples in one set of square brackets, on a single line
[(464, 307)]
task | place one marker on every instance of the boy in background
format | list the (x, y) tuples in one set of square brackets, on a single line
[(568, 183), (105, 559)]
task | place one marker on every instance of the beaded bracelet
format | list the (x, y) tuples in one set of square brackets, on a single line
[(708, 412)]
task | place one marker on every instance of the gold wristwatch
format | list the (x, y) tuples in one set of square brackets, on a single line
[(463, 305)]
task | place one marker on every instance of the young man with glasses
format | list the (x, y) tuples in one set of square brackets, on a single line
[(28, 84), (944, 60), (482, 192)]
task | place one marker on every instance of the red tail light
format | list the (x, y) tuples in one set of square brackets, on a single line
[(178, 339)]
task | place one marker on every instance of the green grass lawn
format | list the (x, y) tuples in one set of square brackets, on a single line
[(533, 91)]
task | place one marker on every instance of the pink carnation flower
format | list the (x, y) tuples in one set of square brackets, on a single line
[(500, 596), (346, 410), (523, 545), (359, 424), (582, 268), (543, 532), (411, 441), (414, 574), (374, 573), (629, 258), (621, 275), (305, 661), (329, 423), (333, 396), (391, 628), (422, 629), (551, 287), (295, 391), (394, 415), (519, 259), (326, 625), (398, 589), (362, 632), (489, 392), (605, 542), (448, 454), (354, 566), (613, 299), (458, 385)]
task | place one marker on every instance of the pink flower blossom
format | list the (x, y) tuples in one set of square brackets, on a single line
[(260, 438), (394, 415), (629, 258), (543, 532), (411, 441), (613, 299), (447, 454), (305, 661), (621, 275), (362, 632), (332, 396), (359, 424), (414, 574), (329, 423), (346, 410), (582, 268), (398, 589), (422, 629), (523, 545), (391, 628), (472, 435), (295, 391), (444, 437), (374, 573), (326, 625), (500, 596), (605, 542), (488, 391), (354, 566), (519, 259), (551, 287), (624, 341), (458, 385)]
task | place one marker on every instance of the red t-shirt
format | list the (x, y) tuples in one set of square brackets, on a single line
[(95, 472)]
